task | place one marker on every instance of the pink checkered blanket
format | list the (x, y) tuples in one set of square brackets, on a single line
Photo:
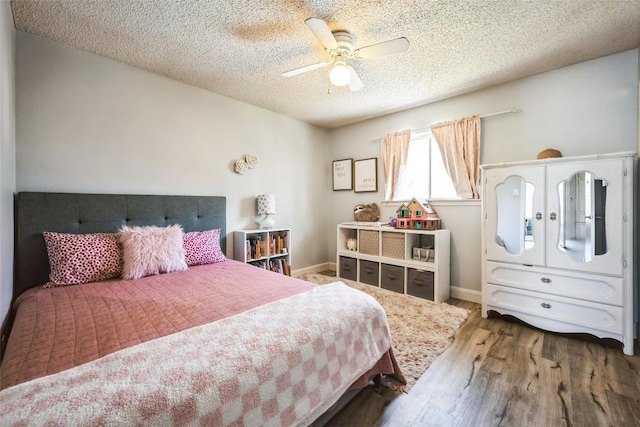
[(283, 363)]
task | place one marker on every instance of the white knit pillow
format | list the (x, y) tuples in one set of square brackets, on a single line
[(151, 250)]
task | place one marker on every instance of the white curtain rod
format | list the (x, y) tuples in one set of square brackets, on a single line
[(483, 116), (510, 110)]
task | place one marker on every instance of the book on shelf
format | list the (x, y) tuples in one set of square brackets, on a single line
[(276, 244), (280, 266), (286, 269), (255, 247), (259, 264)]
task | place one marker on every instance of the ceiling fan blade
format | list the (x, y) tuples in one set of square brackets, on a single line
[(385, 48), (354, 82), (304, 69), (322, 32)]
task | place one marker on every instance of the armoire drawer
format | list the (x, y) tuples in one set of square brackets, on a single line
[(588, 287), (553, 312)]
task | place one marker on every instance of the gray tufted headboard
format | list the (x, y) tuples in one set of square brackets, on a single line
[(91, 213)]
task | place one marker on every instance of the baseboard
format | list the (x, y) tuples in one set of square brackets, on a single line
[(466, 294), (315, 268)]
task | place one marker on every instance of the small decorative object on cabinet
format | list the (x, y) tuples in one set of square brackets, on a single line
[(366, 213), (558, 244), (268, 249), (267, 207), (417, 215), (352, 244), (384, 258)]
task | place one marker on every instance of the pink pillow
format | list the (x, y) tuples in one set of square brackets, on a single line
[(203, 247), (151, 250), (82, 258)]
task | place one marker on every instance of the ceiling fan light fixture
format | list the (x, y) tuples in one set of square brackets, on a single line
[(339, 45), (340, 74)]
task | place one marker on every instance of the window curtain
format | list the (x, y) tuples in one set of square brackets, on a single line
[(395, 149), (459, 143)]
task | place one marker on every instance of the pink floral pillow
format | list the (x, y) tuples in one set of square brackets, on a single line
[(203, 247), (82, 258), (151, 250)]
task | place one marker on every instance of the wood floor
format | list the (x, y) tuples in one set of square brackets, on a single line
[(501, 373)]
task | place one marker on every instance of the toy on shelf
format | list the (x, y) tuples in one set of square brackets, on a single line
[(366, 213), (352, 243), (417, 215)]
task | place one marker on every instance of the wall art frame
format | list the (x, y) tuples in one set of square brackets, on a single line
[(366, 175), (342, 171)]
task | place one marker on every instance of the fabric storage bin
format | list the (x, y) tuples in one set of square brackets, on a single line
[(392, 278), (348, 268), (420, 283), (369, 272), (393, 245), (368, 243)]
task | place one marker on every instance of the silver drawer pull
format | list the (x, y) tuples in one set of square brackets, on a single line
[(546, 280), (538, 216), (545, 305)]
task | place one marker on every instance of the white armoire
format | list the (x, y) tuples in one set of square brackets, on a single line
[(558, 244)]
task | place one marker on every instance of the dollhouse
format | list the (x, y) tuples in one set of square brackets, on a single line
[(417, 215)]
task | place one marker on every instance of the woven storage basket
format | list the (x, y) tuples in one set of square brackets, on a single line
[(369, 242), (393, 245)]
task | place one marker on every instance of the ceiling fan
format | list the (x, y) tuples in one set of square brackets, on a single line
[(340, 47)]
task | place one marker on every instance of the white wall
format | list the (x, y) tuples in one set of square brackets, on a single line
[(7, 154), (586, 108), (88, 124)]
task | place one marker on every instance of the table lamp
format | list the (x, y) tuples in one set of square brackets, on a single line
[(267, 207)]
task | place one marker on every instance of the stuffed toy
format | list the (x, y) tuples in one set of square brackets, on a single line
[(366, 213)]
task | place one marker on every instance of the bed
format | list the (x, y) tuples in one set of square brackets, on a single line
[(214, 343)]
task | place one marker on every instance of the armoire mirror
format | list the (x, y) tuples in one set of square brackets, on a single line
[(514, 216), (582, 230)]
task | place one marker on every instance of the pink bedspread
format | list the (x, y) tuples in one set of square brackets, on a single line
[(57, 329), (281, 364)]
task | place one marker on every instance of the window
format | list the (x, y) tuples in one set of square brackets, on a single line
[(425, 175)]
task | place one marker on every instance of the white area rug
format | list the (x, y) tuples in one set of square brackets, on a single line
[(420, 329)]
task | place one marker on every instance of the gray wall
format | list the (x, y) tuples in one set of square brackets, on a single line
[(586, 108), (7, 154), (85, 123)]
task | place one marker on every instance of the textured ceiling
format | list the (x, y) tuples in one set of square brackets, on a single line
[(239, 48)]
